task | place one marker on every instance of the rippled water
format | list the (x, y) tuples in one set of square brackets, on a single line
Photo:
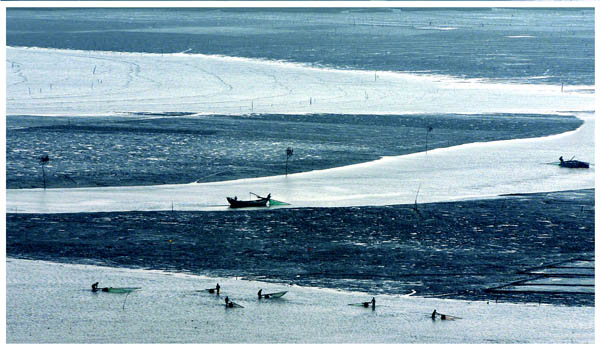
[(113, 151), (453, 249)]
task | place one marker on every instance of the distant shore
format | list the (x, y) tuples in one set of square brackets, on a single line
[(453, 249)]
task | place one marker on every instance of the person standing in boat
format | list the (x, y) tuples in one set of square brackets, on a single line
[(561, 160), (373, 303), (259, 293), (433, 314)]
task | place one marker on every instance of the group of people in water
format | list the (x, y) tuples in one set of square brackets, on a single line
[(229, 303)]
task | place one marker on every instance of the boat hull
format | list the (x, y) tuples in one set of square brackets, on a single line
[(119, 290), (575, 164), (234, 203), (274, 295)]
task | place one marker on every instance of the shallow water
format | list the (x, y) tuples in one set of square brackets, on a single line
[(52, 303)]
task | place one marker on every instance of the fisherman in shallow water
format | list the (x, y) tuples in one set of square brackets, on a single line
[(433, 314), (95, 287), (373, 303), (259, 293), (218, 288)]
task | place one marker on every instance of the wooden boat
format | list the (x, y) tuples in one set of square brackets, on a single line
[(573, 163), (261, 202)]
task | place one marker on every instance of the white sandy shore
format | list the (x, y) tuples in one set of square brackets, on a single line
[(51, 303)]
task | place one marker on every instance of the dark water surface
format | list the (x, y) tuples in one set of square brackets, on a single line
[(151, 150), (454, 249)]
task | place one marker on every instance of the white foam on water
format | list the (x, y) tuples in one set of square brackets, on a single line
[(52, 303)]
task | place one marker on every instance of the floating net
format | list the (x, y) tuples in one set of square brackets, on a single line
[(276, 202), (570, 277)]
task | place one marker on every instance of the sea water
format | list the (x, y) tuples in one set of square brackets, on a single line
[(462, 172), (528, 54), (534, 45)]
